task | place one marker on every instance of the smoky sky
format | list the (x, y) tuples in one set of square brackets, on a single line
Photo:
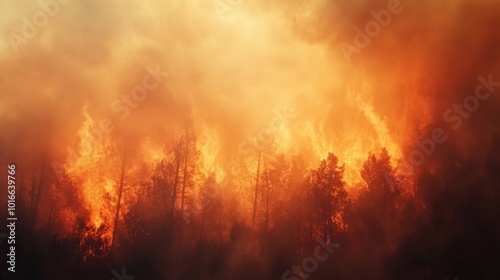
[(227, 74)]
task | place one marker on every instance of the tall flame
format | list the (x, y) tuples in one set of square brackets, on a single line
[(90, 167)]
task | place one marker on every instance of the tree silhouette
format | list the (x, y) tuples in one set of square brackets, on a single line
[(328, 194), (274, 179), (118, 204), (379, 176), (190, 157)]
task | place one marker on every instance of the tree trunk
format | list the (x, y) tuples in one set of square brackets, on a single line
[(118, 203), (38, 193), (203, 222), (32, 195), (299, 224), (219, 219), (49, 223), (174, 197), (184, 179), (256, 189), (268, 190)]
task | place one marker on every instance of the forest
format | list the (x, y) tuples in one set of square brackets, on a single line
[(263, 220)]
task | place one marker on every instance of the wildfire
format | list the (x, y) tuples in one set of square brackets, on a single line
[(209, 147), (92, 168)]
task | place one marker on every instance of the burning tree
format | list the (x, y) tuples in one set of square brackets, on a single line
[(328, 196)]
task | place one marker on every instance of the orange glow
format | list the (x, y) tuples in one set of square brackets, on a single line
[(216, 138), (92, 167)]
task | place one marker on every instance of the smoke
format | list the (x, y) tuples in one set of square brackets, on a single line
[(358, 76), (227, 75)]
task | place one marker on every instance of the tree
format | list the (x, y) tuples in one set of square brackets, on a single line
[(380, 178), (119, 194), (190, 159), (177, 160), (274, 178), (263, 149), (376, 209), (328, 194), (295, 218), (210, 203), (159, 191), (256, 195)]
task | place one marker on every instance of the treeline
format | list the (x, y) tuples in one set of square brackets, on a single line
[(176, 220)]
